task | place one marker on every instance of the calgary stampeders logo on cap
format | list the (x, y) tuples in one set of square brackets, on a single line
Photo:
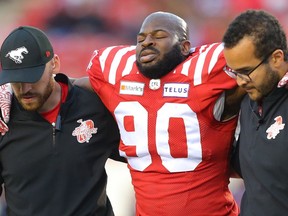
[(84, 131), (17, 54)]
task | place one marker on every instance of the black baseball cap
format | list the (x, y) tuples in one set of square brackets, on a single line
[(24, 54)]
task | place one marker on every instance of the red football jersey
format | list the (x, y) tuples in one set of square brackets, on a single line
[(177, 152)]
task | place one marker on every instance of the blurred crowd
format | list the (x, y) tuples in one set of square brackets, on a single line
[(77, 27)]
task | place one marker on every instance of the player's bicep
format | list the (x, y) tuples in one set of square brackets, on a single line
[(233, 98), (83, 82)]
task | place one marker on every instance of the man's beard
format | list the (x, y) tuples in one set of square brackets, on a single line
[(41, 99), (163, 66), (272, 79)]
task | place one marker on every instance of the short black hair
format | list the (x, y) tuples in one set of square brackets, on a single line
[(264, 29)]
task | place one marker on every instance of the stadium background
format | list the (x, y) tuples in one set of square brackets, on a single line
[(77, 27)]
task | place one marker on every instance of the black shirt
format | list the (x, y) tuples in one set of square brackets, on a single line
[(261, 153), (59, 170)]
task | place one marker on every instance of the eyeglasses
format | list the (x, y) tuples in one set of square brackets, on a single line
[(245, 74)]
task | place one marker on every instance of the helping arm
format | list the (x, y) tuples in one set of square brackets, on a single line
[(5, 105), (233, 98)]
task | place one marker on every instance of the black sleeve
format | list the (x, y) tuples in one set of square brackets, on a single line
[(1, 182), (235, 162), (114, 136), (115, 156)]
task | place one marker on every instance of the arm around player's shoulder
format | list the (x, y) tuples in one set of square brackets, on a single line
[(233, 98)]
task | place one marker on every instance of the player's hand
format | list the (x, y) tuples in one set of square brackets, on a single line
[(5, 105), (3, 127)]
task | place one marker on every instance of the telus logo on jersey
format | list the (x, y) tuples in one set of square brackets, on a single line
[(131, 88), (176, 90)]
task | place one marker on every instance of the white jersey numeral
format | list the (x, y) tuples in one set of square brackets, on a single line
[(138, 138)]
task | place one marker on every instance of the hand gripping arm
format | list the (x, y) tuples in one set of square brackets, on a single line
[(5, 105)]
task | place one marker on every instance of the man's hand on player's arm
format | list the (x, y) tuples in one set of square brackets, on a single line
[(5, 105)]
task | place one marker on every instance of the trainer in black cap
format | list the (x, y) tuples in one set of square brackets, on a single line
[(24, 54)]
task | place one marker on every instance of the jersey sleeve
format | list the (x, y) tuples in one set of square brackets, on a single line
[(107, 66), (209, 78), (103, 88), (218, 75), (95, 72)]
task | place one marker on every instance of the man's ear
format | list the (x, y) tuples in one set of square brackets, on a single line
[(185, 47), (277, 57), (56, 64)]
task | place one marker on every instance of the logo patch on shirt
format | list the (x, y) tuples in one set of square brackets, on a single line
[(176, 90), (275, 128), (131, 88), (154, 84), (84, 131)]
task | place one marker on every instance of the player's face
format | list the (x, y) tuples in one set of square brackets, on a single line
[(32, 96), (260, 81), (158, 48)]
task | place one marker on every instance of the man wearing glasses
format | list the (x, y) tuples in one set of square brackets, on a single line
[(255, 49)]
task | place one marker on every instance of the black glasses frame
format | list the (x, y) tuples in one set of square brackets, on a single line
[(245, 76)]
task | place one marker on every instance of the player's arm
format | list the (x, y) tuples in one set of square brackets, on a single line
[(5, 106), (94, 71), (233, 94), (233, 98), (235, 170), (234, 174), (83, 82)]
